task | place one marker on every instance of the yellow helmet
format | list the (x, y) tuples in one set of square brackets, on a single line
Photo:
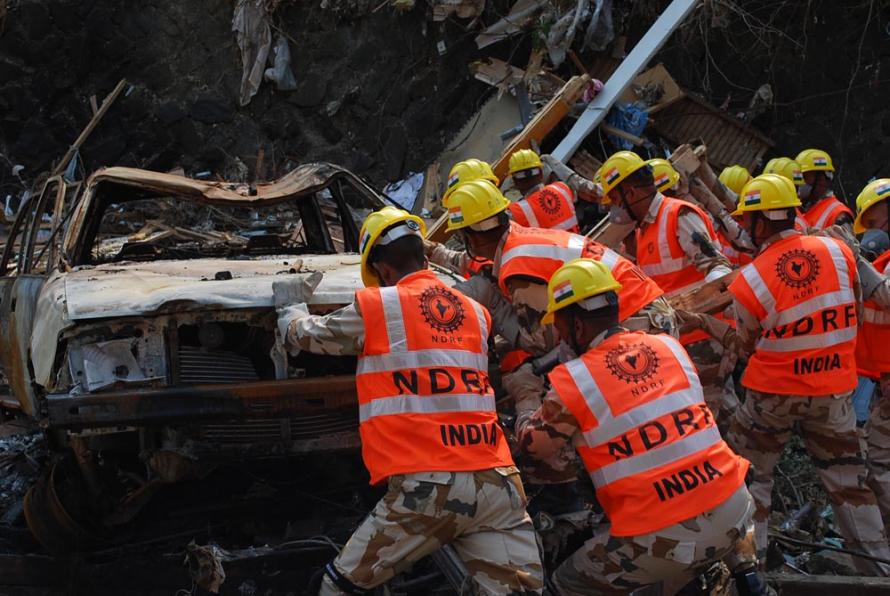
[(474, 202), (579, 281), (385, 220), (618, 167), (467, 171), (766, 193), (735, 178), (524, 159), (814, 160), (665, 174), (874, 192), (787, 167)]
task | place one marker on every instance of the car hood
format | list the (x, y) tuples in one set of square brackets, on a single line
[(132, 289)]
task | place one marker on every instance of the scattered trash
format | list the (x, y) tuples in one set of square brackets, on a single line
[(404, 192), (462, 9), (629, 118), (516, 20), (280, 73), (251, 25), (206, 566)]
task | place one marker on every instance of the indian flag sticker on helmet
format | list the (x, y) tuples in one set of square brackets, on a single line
[(563, 292), (752, 197), (455, 215), (661, 180), (453, 180), (612, 175), (820, 161), (797, 176), (366, 237), (882, 189)]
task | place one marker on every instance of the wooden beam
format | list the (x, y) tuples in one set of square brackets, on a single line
[(828, 585), (75, 146), (708, 297)]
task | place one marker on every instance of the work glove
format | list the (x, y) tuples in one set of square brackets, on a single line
[(291, 297), (429, 247), (869, 277), (525, 387), (843, 234)]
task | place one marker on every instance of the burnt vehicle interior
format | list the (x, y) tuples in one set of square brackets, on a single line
[(146, 414)]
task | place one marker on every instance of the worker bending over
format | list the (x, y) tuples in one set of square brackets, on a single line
[(631, 404), (820, 207), (542, 206), (789, 168), (427, 419), (796, 316)]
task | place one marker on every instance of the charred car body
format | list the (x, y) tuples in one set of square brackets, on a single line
[(137, 319)]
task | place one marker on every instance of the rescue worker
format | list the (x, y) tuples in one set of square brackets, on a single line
[(666, 180), (734, 177), (524, 259), (820, 207), (631, 405), (789, 168), (872, 354), (542, 206), (677, 246), (467, 171), (427, 419), (796, 316)]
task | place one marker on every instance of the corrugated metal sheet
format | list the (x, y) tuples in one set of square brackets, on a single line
[(728, 140)]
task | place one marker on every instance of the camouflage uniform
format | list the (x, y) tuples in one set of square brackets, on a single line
[(763, 425), (528, 299), (878, 439), (482, 514), (614, 564)]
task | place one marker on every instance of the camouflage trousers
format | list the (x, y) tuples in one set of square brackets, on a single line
[(715, 364), (878, 438), (481, 514), (761, 428), (608, 564)]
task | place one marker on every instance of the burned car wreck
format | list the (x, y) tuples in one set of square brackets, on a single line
[(139, 332)]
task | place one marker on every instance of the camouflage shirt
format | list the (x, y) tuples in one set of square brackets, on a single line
[(340, 333)]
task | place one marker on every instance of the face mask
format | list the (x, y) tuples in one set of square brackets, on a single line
[(619, 215), (804, 191)]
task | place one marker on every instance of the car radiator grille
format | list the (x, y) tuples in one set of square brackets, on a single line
[(198, 367), (260, 430)]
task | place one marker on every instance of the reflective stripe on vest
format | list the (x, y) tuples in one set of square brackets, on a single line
[(659, 253), (425, 403), (872, 353), (800, 288), (529, 213), (640, 408), (825, 212), (538, 253)]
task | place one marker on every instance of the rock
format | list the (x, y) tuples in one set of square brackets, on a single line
[(212, 110), (310, 91), (828, 562), (169, 112), (394, 152)]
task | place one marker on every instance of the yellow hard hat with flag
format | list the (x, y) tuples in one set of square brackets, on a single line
[(873, 193), (767, 192), (581, 281), (380, 228)]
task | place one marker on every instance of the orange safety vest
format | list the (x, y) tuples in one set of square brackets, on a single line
[(538, 253), (659, 253), (825, 213), (650, 443), (552, 206), (800, 222), (873, 342), (801, 290), (475, 266), (736, 257), (425, 402)]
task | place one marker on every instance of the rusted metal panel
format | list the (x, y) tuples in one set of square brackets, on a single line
[(729, 141), (202, 402), (18, 303)]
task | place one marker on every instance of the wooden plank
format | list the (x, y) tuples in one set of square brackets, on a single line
[(708, 297), (609, 129), (828, 585), (75, 146)]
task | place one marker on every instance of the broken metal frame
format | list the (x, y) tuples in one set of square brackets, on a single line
[(629, 68)]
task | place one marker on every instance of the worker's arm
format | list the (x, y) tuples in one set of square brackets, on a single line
[(583, 188), (719, 330), (504, 321), (696, 243), (748, 330), (453, 260), (542, 432), (339, 333)]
